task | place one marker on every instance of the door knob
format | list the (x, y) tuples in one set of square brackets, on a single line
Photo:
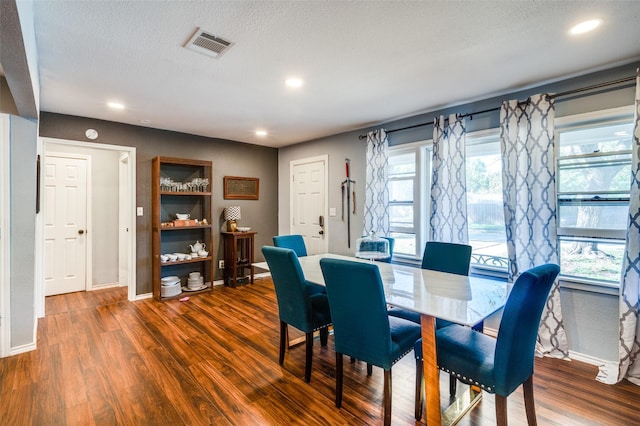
[(81, 231), (321, 232)]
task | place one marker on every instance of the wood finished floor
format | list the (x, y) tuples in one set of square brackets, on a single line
[(214, 360)]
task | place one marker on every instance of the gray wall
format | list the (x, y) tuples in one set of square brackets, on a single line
[(229, 158), (104, 209), (338, 148), (23, 136), (591, 318)]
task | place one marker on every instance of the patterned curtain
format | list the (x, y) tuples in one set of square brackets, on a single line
[(528, 184), (629, 351), (376, 202), (448, 188)]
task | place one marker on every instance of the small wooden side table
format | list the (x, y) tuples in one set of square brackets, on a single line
[(238, 257)]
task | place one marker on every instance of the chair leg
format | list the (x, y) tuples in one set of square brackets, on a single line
[(369, 369), (283, 341), (338, 380), (309, 355), (452, 386), (529, 403), (419, 389), (324, 336), (501, 410), (387, 397)]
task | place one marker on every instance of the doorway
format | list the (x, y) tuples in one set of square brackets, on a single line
[(117, 223), (309, 202)]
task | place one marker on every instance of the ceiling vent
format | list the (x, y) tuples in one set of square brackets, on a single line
[(208, 44)]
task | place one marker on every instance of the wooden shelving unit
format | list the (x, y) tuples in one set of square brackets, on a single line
[(178, 187)]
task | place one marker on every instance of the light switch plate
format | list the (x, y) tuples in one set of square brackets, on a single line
[(332, 211), (139, 211)]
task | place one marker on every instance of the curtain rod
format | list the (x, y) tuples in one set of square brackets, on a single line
[(557, 95)]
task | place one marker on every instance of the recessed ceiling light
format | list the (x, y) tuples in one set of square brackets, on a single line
[(585, 26), (115, 105), (294, 82), (261, 133)]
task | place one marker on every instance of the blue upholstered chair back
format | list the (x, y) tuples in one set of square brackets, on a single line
[(293, 242), (517, 335), (291, 289), (447, 257), (358, 310)]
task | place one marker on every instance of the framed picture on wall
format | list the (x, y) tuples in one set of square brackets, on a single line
[(241, 188)]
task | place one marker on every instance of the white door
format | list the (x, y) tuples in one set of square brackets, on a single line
[(65, 218), (309, 201)]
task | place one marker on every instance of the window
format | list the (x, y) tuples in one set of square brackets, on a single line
[(485, 212), (408, 178), (593, 174), (593, 179)]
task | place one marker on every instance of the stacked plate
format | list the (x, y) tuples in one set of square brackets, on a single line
[(170, 286), (195, 282)]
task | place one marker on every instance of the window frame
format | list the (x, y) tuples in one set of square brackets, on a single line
[(421, 212), (576, 122)]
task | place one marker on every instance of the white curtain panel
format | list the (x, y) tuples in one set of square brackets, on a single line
[(529, 191), (376, 202), (448, 220), (629, 351)]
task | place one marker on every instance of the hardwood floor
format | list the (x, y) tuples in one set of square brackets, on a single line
[(214, 360)]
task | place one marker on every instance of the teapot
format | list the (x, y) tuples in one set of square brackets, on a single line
[(197, 247)]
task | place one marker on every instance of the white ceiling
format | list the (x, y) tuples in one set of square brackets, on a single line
[(363, 62)]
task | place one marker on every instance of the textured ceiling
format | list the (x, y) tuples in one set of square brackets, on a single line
[(363, 62)]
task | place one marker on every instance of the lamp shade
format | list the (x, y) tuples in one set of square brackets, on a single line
[(232, 213)]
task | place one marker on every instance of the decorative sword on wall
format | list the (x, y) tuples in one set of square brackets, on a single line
[(346, 190)]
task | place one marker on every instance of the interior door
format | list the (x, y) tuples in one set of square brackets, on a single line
[(308, 212), (65, 218)]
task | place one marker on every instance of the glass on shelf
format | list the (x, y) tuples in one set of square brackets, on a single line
[(372, 247), (195, 185)]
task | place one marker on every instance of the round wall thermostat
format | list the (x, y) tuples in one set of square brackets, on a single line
[(91, 133)]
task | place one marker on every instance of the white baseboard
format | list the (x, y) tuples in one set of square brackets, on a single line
[(103, 286), (144, 296), (587, 359), (22, 349), (260, 275)]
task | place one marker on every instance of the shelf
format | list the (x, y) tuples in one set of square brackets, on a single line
[(182, 262), (182, 193), (186, 294), (181, 228), (166, 204)]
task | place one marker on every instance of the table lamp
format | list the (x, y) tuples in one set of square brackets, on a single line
[(231, 214)]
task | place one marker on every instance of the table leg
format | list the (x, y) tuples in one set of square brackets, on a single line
[(431, 372), (462, 404)]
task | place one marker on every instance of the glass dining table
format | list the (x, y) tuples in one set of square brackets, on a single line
[(461, 299)]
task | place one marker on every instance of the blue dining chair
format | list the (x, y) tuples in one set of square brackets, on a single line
[(443, 257), (293, 242), (362, 328), (301, 303), (501, 365)]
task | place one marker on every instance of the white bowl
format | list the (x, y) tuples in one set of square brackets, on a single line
[(244, 228), (169, 280), (183, 216)]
